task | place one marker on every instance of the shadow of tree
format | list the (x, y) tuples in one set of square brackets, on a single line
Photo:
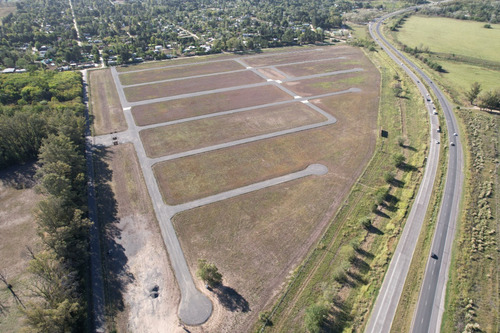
[(374, 230), (116, 272), (364, 253), (19, 176), (407, 167), (231, 299), (361, 265), (396, 183)]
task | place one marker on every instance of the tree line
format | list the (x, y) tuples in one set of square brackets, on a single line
[(33, 106), (41, 117)]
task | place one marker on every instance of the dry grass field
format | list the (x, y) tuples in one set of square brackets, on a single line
[(298, 56), (179, 87), (105, 103), (324, 85), (18, 199), (179, 71), (321, 66), (175, 62), (166, 140), (200, 105), (137, 259)]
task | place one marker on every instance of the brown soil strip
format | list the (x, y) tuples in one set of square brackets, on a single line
[(105, 103), (200, 105), (179, 87), (166, 140)]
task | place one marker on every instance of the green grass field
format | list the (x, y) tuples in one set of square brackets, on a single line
[(467, 51), (452, 36)]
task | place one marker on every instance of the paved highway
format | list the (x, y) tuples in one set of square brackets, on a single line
[(430, 305)]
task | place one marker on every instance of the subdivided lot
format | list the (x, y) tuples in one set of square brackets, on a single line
[(136, 259), (18, 199), (335, 145), (187, 86), (105, 103), (166, 140), (173, 72), (327, 84), (173, 62), (299, 56), (200, 105), (324, 66), (258, 238)]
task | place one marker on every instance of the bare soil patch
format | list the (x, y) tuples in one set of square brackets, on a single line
[(166, 140), (177, 72), (136, 260), (18, 200), (298, 56), (105, 103), (195, 106), (179, 87)]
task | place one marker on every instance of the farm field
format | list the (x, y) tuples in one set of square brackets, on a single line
[(201, 140)]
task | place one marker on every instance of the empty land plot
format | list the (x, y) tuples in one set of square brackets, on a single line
[(179, 71), (105, 103), (326, 84), (173, 62), (336, 146), (200, 105), (18, 230), (320, 67), (136, 258), (256, 239), (322, 53), (166, 140), (187, 86)]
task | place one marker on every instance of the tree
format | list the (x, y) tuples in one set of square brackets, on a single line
[(473, 93), (490, 100), (315, 317), (399, 160), (365, 222), (209, 273)]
